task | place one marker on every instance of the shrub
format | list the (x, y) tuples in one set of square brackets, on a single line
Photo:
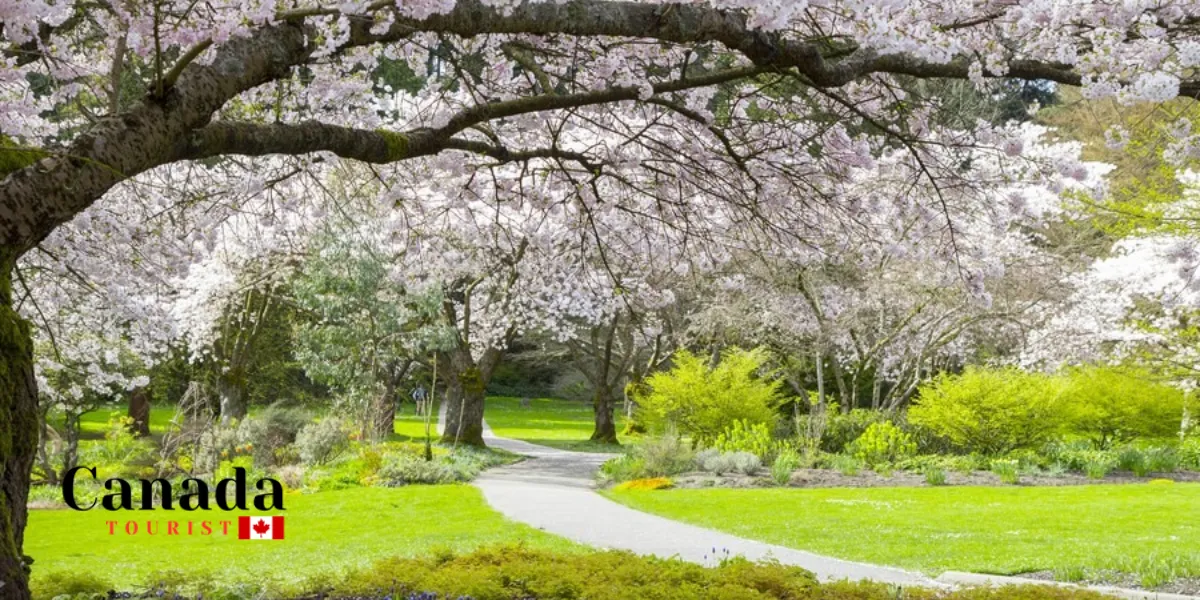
[(718, 463), (787, 461), (405, 469), (1116, 404), (660, 456), (846, 465), (1098, 464), (622, 468), (992, 411), (743, 436), (882, 443), (653, 483), (268, 432), (664, 455), (701, 402), (745, 463), (935, 475), (508, 572), (1008, 470), (842, 429), (322, 442), (1162, 460), (1189, 452), (1132, 459)]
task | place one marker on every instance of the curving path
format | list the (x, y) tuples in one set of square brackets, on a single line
[(554, 492)]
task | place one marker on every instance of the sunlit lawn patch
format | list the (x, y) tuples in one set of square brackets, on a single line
[(982, 529), (565, 424), (324, 532)]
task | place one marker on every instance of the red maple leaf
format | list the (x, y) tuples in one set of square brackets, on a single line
[(261, 527)]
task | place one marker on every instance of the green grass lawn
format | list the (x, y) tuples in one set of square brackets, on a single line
[(93, 425), (1002, 530), (324, 533), (565, 424)]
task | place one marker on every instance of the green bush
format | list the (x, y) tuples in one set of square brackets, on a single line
[(787, 461), (701, 402), (1189, 452), (1098, 464), (991, 411), (846, 465), (270, 431), (743, 436), (70, 583), (323, 441), (1162, 459), (1133, 460), (657, 456), (1008, 470), (842, 429), (514, 572), (934, 475), (882, 443), (1113, 404)]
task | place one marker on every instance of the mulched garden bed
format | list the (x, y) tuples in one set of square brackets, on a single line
[(828, 478)]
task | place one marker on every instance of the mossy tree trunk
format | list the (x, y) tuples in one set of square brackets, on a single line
[(466, 383), (18, 435)]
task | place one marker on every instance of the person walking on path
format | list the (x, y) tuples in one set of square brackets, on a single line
[(419, 398)]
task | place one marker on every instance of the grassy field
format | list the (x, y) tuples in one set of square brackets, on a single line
[(562, 424), (325, 532), (1132, 528)]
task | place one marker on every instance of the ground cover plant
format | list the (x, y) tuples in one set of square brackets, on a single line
[(1004, 530), (524, 572)]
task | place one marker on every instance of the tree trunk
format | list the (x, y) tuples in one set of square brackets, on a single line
[(603, 403), (383, 411), (465, 394), (18, 436), (139, 411), (232, 393)]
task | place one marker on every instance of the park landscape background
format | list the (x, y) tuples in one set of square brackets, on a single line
[(907, 284)]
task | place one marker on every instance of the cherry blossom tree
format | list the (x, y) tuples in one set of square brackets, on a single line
[(704, 94)]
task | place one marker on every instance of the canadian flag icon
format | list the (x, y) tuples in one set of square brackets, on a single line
[(260, 528)]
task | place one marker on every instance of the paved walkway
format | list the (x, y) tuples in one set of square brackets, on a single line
[(554, 492)]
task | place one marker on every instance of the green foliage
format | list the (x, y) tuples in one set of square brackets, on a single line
[(743, 436), (846, 465), (934, 475), (701, 402), (1133, 460), (270, 431), (322, 441), (458, 466), (991, 411), (658, 456), (119, 448), (1008, 470), (507, 572), (787, 461), (720, 463), (843, 428), (1098, 465), (73, 584), (1189, 452), (1116, 404), (882, 443)]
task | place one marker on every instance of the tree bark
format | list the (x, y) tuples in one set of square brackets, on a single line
[(382, 421), (231, 390), (139, 411), (18, 435), (465, 395), (603, 404)]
